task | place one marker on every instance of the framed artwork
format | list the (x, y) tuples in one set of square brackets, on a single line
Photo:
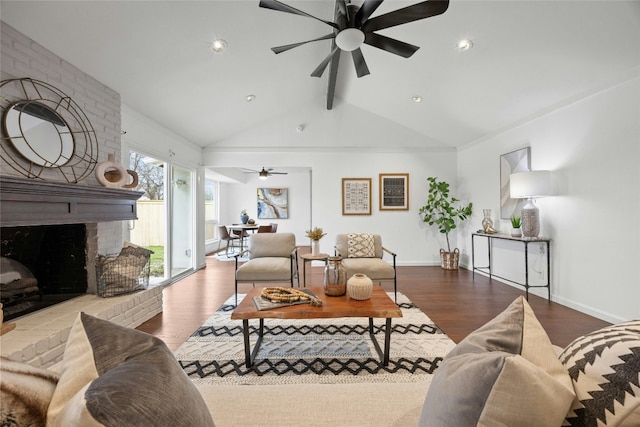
[(394, 191), (356, 196), (273, 203), (515, 161)]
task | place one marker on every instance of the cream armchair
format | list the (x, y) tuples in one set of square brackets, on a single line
[(362, 253), (272, 258)]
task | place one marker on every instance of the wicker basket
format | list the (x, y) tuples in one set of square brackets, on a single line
[(449, 260), (123, 273)]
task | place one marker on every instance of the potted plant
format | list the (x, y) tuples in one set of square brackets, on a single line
[(516, 223), (315, 235), (441, 211)]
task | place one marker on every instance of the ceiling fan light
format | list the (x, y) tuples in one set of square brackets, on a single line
[(263, 174), (350, 39)]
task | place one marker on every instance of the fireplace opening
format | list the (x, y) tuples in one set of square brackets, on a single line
[(56, 257)]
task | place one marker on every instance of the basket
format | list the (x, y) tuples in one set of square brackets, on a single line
[(123, 273), (449, 260)]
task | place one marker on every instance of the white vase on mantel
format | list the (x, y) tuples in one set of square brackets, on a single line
[(315, 247)]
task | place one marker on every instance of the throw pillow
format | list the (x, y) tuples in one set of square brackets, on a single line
[(25, 393), (605, 369), (115, 376), (360, 245), (504, 374)]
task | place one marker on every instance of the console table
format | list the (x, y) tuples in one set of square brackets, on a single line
[(526, 241)]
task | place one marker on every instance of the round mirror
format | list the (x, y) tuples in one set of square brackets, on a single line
[(39, 133)]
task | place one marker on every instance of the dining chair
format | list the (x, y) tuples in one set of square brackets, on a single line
[(224, 235), (274, 227), (240, 234), (265, 229)]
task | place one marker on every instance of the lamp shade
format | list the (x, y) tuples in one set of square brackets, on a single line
[(523, 185)]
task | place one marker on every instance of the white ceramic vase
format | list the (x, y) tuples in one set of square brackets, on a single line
[(359, 287), (315, 247)]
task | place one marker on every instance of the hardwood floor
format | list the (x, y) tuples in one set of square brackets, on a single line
[(456, 302)]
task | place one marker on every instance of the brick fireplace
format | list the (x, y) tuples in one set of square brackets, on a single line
[(61, 221), (51, 228)]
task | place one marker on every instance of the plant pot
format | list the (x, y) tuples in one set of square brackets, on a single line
[(516, 232), (449, 260), (315, 247)]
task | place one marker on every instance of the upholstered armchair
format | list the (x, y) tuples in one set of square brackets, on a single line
[(272, 258), (362, 253)]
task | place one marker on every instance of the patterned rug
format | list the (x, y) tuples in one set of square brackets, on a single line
[(315, 350)]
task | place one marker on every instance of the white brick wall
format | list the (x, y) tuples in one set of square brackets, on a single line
[(40, 338), (22, 57)]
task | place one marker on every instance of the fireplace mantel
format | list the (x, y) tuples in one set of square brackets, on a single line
[(26, 201)]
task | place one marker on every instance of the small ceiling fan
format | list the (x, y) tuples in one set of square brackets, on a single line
[(353, 27), (265, 173)]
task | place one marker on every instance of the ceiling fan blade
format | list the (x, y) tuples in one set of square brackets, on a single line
[(360, 63), (281, 7), (415, 12), (341, 6), (278, 173), (365, 11), (320, 68), (280, 49), (390, 45)]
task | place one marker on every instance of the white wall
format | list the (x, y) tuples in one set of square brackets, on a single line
[(363, 149), (593, 148)]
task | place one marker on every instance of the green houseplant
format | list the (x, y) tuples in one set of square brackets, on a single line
[(441, 210), (516, 223)]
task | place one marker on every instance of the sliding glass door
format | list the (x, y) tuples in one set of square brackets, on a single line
[(182, 221), (165, 221)]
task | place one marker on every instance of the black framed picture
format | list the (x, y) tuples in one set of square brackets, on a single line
[(394, 191)]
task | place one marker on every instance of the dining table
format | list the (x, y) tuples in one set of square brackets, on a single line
[(241, 228)]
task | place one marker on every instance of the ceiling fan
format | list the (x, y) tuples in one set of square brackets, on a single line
[(265, 173), (353, 27)]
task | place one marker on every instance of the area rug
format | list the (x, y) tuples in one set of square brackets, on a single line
[(315, 350)]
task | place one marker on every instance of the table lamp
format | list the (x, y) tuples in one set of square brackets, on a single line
[(530, 185)]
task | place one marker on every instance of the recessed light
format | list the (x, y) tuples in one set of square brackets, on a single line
[(249, 98), (464, 44), (417, 99), (218, 45)]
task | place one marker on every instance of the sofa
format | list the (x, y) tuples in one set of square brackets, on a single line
[(506, 373)]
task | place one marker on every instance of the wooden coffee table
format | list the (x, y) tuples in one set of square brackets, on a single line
[(378, 306)]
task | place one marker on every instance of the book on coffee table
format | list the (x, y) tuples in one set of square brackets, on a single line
[(265, 304)]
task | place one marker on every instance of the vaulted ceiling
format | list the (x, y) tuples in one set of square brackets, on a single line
[(528, 57)]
